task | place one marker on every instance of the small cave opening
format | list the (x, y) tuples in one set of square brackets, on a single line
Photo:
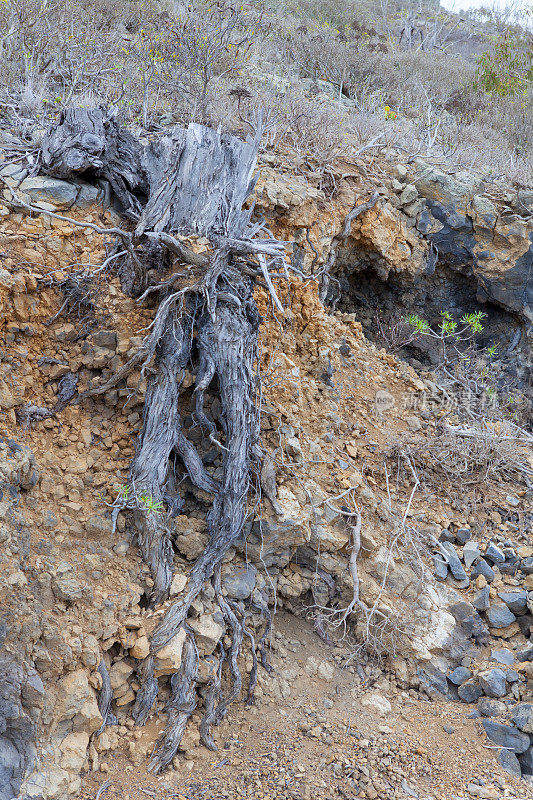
[(374, 299), (383, 302)]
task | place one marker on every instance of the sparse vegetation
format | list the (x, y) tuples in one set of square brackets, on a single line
[(330, 76)]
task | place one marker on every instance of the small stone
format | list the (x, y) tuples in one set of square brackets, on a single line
[(441, 568), (489, 707), (66, 333), (239, 582), (293, 448), (481, 601), (468, 617), (413, 423), (506, 736), (326, 671), (106, 339), (448, 729), (208, 633), (482, 791), (141, 648), (459, 675), (400, 170), (527, 565), (409, 194), (483, 568), (471, 552), (493, 682), (17, 579), (515, 601), (377, 703), (456, 568), (168, 658), (494, 554), (500, 616), (481, 581), (470, 691), (179, 582), (510, 763), (522, 717), (503, 656), (463, 535)]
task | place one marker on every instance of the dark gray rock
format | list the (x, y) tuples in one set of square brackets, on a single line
[(525, 621), (522, 717), (240, 581), (49, 190), (441, 568), (434, 681), (510, 565), (512, 676), (525, 655), (506, 736), (488, 707), (463, 535), (466, 615), (471, 553), (510, 763), (447, 536), (500, 617), (493, 682), (515, 601), (449, 729), (456, 568), (17, 733), (87, 195), (526, 565), (502, 656), (526, 762), (459, 675), (495, 554), (470, 691), (483, 568), (481, 601)]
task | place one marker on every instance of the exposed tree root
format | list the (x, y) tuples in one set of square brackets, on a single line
[(180, 707), (104, 699), (194, 183)]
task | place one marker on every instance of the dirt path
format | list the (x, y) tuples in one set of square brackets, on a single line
[(318, 731)]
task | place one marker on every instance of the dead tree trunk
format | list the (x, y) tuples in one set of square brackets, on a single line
[(196, 182)]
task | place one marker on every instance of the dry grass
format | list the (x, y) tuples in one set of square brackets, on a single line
[(68, 53)]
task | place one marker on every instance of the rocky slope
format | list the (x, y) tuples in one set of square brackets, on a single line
[(339, 414)]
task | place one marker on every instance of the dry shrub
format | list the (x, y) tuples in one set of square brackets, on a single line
[(461, 456)]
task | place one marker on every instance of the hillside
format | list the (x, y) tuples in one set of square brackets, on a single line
[(266, 407)]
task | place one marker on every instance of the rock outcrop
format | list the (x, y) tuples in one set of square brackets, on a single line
[(74, 589)]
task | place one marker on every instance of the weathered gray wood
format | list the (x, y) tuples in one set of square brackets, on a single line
[(89, 142), (180, 707), (196, 182), (207, 178)]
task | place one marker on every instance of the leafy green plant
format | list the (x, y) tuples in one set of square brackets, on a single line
[(467, 368), (148, 504), (507, 68)]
